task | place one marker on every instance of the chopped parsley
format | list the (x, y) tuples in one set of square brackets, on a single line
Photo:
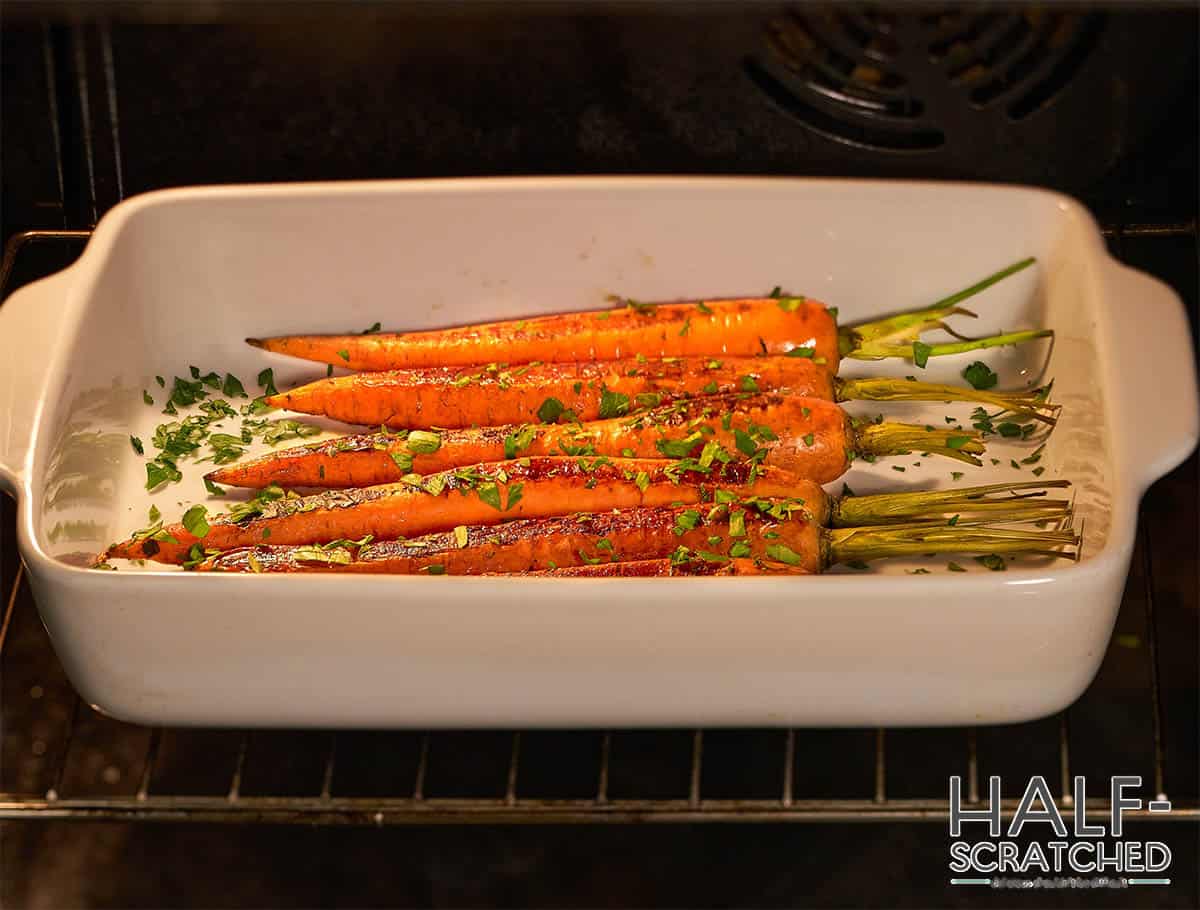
[(550, 410), (345, 355), (137, 445), (737, 523), (403, 460), (686, 521), (519, 440), (373, 329), (146, 397), (957, 442), (704, 308), (648, 400), (423, 442), (955, 567), (515, 492), (748, 384), (160, 471), (687, 326), (802, 352), (783, 553), (790, 304), (613, 404), (678, 448), (992, 561), (980, 376), (745, 443), (920, 354), (809, 438), (232, 387), (266, 382), (195, 522), (216, 490)]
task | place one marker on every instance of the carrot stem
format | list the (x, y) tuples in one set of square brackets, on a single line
[(889, 438), (890, 508), (851, 544), (853, 335), (1031, 403), (894, 335)]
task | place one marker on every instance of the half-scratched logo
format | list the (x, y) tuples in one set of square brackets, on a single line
[(1087, 854)]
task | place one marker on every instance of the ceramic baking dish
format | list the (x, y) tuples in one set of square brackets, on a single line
[(178, 278)]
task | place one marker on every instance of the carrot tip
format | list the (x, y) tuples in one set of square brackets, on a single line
[(256, 342)]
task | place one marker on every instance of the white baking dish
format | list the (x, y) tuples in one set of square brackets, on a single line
[(181, 277)]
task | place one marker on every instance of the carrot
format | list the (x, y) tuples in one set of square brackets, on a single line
[(498, 394), (807, 436), (530, 545), (779, 536), (484, 494), (743, 326), (642, 532), (656, 568), (735, 327)]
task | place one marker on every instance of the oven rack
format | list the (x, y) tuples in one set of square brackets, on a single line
[(61, 759)]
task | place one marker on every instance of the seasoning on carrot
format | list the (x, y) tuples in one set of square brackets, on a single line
[(733, 327), (500, 394), (783, 536), (432, 507), (812, 438), (483, 494)]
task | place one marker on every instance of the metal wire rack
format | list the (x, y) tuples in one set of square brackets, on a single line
[(61, 759)]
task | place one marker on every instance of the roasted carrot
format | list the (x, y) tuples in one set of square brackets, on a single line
[(643, 532), (526, 545), (807, 436), (742, 326), (774, 535), (498, 394), (657, 568), (484, 494)]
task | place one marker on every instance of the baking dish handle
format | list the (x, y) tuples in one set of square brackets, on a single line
[(1157, 391), (31, 321)]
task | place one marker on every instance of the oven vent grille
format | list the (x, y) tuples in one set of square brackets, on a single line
[(909, 81)]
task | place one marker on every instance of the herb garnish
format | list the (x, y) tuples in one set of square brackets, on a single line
[(992, 561), (920, 353), (980, 376), (195, 522), (550, 410), (266, 381), (783, 553), (613, 404)]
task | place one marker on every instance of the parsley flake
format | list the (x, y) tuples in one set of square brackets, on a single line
[(980, 376)]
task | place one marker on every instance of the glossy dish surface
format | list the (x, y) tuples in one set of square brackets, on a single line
[(180, 278)]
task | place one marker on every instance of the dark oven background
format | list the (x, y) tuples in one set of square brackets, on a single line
[(106, 100)]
